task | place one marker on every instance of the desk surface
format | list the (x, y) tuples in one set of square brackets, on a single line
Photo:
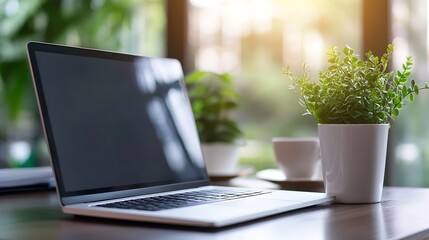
[(403, 213)]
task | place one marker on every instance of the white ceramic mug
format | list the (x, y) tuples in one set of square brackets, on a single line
[(297, 157)]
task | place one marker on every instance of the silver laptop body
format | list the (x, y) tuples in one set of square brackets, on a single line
[(120, 130)]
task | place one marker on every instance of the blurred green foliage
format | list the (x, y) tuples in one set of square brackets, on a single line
[(213, 98)]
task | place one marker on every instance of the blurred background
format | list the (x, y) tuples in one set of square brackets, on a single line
[(251, 39)]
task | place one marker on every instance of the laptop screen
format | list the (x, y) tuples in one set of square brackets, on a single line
[(115, 121)]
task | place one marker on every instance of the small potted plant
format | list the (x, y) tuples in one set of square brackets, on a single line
[(353, 102), (213, 98)]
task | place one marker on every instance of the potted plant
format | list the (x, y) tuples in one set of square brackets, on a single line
[(213, 98), (353, 102)]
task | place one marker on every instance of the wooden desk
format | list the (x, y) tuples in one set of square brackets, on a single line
[(403, 213)]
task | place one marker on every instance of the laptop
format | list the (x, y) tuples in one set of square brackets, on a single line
[(124, 145)]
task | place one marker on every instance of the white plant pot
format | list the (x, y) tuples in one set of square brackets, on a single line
[(221, 158), (353, 161)]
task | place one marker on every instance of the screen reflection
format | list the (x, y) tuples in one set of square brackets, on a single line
[(170, 114)]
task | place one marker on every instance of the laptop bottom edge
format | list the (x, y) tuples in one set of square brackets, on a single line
[(212, 215)]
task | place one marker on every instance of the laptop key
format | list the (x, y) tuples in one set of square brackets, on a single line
[(179, 200)]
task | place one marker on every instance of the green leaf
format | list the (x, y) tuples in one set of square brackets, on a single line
[(195, 77), (404, 91), (416, 89), (403, 79), (311, 106), (396, 101), (390, 93), (395, 112), (396, 79), (411, 98), (332, 60), (399, 106), (226, 78)]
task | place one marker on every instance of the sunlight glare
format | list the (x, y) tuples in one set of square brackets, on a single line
[(11, 7), (261, 13), (314, 47), (407, 152), (207, 59), (203, 3), (20, 151), (402, 50)]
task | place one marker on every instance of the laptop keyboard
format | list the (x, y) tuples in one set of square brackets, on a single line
[(179, 200)]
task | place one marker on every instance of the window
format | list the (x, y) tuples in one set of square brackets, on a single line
[(410, 35)]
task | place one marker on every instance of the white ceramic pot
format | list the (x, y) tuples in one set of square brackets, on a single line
[(353, 161), (221, 158)]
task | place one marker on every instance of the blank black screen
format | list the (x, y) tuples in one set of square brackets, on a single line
[(118, 124)]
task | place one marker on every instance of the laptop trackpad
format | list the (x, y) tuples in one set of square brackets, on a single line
[(257, 203), (233, 209)]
